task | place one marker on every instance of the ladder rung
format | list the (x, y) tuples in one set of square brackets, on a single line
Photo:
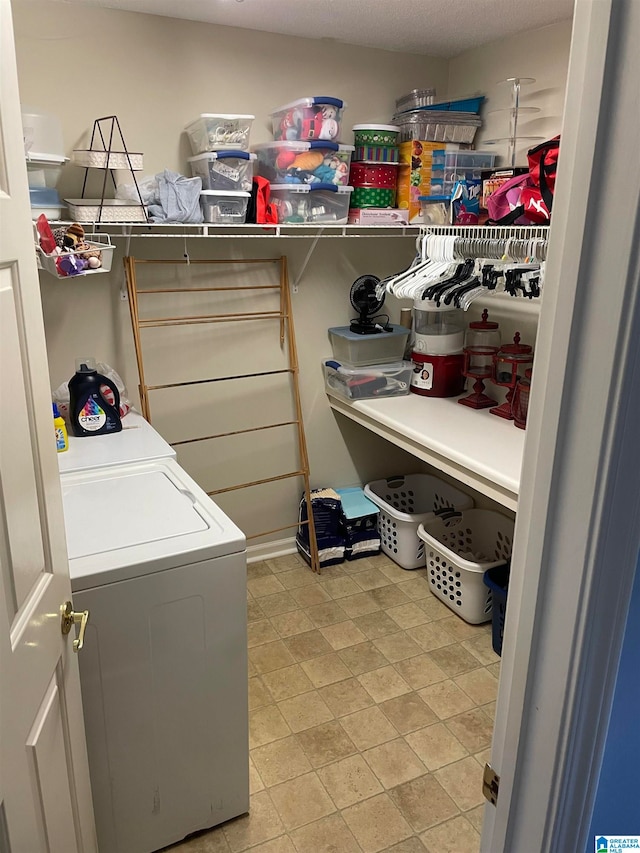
[(258, 482), (234, 432), (219, 379)]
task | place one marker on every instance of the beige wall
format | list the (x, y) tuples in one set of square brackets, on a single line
[(542, 54), (157, 74)]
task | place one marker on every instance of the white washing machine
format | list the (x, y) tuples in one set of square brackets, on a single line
[(163, 670)]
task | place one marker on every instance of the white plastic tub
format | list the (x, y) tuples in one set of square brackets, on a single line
[(224, 170), (304, 162), (406, 502), (216, 131), (42, 134), (361, 383), (301, 203), (224, 208), (307, 119)]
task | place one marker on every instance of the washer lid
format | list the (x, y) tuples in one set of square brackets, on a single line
[(138, 441), (133, 520)]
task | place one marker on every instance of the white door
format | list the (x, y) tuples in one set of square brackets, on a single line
[(45, 797), (577, 536)]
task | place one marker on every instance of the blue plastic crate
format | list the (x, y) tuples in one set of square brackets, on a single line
[(497, 579)]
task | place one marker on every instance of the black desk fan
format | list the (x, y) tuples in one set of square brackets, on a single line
[(365, 299)]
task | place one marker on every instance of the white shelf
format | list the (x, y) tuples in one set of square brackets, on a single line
[(309, 232), (475, 447)]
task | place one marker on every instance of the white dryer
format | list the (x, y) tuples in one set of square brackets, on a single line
[(163, 670)]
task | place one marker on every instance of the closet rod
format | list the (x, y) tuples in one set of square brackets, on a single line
[(235, 432), (210, 289), (219, 379), (155, 322), (181, 262), (258, 483)]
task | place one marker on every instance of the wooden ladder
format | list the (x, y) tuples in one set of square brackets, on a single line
[(285, 318)]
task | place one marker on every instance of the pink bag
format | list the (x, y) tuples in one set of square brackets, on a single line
[(507, 198)]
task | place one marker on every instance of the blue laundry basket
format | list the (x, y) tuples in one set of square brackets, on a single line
[(497, 579)]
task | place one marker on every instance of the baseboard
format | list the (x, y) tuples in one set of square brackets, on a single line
[(269, 550)]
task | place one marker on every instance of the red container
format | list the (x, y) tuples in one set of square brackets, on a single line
[(437, 375), (381, 175)]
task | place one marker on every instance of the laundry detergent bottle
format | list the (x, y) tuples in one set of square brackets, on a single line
[(90, 413)]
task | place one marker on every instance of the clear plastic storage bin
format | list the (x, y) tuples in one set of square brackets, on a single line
[(449, 167), (224, 170), (460, 547), (300, 203), (45, 173), (406, 502), (304, 162), (309, 118), (363, 350), (224, 207), (42, 134), (360, 383), (215, 131)]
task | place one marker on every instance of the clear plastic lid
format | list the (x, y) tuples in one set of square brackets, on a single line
[(225, 193), (226, 116), (318, 101), (296, 145), (307, 188)]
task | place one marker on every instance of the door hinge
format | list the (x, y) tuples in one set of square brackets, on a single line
[(490, 784)]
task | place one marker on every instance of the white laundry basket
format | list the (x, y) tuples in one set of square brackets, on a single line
[(459, 548), (405, 502)]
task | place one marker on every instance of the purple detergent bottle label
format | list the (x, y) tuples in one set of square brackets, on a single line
[(91, 416)]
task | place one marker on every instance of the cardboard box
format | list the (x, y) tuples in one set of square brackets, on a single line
[(378, 216), (414, 174)]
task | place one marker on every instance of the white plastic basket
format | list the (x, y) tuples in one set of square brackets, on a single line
[(406, 502), (459, 548)]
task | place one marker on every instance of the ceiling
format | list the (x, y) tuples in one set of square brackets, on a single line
[(442, 28)]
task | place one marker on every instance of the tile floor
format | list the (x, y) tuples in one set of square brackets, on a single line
[(371, 714)]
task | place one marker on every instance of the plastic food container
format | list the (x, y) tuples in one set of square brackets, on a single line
[(373, 175), (406, 502), (309, 118), (376, 134), (42, 133), (363, 350), (449, 167), (224, 170), (415, 99), (304, 162), (113, 210), (215, 131), (377, 153), (360, 383), (45, 173), (438, 126), (435, 209), (224, 207), (373, 197), (459, 548), (300, 203)]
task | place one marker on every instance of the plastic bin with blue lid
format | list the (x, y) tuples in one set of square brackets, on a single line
[(294, 162), (306, 119), (224, 170), (459, 105), (298, 204), (360, 524)]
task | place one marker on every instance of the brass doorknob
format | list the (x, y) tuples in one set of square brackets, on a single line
[(69, 618)]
